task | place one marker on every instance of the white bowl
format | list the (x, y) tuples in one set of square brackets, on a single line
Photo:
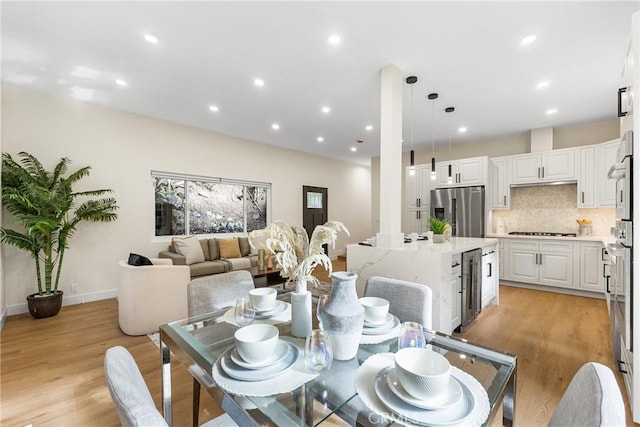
[(375, 309), (256, 343), (263, 298), (423, 373)]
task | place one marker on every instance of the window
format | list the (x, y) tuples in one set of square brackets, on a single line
[(187, 204), (314, 200)]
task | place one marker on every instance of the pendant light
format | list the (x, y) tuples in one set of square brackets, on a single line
[(433, 97), (450, 177), (412, 165)]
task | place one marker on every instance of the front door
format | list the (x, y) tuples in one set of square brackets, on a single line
[(314, 208)]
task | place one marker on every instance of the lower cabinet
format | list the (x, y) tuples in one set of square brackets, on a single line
[(489, 274), (592, 261), (456, 291), (545, 262)]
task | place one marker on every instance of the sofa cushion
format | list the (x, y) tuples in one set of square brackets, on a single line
[(207, 268), (239, 263), (245, 249), (190, 248), (229, 248), (204, 244), (214, 250)]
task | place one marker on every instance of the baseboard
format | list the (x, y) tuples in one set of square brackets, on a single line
[(67, 300), (3, 317), (557, 290)]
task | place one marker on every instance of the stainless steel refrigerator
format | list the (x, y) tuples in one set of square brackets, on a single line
[(463, 207)]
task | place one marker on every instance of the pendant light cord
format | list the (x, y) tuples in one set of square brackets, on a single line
[(412, 116)]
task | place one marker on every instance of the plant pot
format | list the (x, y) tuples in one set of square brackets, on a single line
[(44, 306), (438, 238)]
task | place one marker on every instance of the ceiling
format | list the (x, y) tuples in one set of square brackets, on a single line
[(210, 53)]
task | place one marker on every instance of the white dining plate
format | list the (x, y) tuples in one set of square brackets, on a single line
[(455, 414), (448, 398), (387, 319), (239, 373), (382, 329), (278, 307), (282, 350)]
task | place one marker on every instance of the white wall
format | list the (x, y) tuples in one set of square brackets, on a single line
[(122, 149)]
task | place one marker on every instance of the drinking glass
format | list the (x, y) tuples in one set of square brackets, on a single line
[(244, 313), (322, 300), (411, 335), (317, 351)]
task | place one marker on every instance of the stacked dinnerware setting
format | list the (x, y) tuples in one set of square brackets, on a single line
[(377, 319)]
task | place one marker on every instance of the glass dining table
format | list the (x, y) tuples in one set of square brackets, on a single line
[(330, 398)]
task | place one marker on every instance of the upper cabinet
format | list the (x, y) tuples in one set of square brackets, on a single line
[(587, 177), (555, 165), (418, 187), (498, 189), (605, 157), (464, 172)]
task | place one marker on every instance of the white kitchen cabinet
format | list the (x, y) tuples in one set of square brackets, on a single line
[(456, 291), (546, 166), (464, 172), (418, 187), (503, 248), (591, 266), (499, 190), (587, 177), (417, 221), (605, 187), (489, 274), (546, 262)]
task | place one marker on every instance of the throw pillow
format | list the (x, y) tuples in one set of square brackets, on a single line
[(138, 260), (190, 248), (229, 248), (245, 249)]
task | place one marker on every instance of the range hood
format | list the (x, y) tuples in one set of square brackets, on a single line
[(544, 183)]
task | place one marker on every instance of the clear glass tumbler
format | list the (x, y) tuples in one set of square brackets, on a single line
[(317, 351), (244, 312), (411, 335)]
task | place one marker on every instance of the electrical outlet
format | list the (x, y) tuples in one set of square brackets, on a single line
[(75, 288)]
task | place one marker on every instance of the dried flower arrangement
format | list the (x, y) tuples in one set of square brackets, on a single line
[(297, 255)]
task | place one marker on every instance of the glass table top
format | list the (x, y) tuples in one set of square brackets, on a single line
[(331, 397)]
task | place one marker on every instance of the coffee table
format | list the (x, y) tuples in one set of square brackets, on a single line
[(266, 277)]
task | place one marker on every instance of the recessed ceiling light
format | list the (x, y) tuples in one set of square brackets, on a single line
[(320, 139), (334, 39), (354, 149), (462, 129), (275, 126), (121, 82), (151, 38), (368, 128), (326, 110), (214, 108), (528, 39), (542, 84), (551, 111), (258, 82)]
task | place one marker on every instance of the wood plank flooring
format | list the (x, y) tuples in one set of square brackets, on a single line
[(51, 370)]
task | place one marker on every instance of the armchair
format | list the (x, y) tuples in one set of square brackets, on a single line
[(149, 296)]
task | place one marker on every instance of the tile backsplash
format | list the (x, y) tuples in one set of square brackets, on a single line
[(551, 208)]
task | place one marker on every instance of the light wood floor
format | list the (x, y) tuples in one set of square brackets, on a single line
[(51, 370)]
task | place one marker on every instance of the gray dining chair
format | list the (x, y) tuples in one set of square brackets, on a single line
[(408, 301), (130, 394), (593, 399), (210, 293)]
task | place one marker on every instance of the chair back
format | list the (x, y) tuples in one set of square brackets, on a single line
[(210, 293), (128, 390), (408, 301), (592, 399)]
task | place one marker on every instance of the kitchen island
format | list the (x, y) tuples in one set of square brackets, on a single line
[(436, 265)]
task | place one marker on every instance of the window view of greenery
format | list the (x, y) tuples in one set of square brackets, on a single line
[(211, 207)]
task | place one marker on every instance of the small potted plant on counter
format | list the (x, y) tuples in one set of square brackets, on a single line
[(438, 226)]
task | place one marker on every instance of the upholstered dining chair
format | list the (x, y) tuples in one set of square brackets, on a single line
[(210, 293), (130, 394), (593, 399), (408, 301)]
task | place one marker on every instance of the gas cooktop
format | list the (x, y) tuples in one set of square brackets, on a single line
[(541, 233)]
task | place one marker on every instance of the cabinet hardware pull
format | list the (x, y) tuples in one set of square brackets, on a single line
[(582, 197), (607, 279), (540, 259), (538, 172), (417, 203), (620, 92), (490, 271), (505, 199), (620, 368), (543, 171), (604, 252)]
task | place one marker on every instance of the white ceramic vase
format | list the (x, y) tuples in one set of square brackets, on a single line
[(301, 314), (343, 316)]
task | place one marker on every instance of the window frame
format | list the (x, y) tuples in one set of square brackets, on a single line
[(200, 178)]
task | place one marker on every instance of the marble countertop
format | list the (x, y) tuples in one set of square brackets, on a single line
[(602, 239), (455, 245)]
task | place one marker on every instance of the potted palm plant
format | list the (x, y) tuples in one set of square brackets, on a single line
[(438, 226), (43, 202)]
